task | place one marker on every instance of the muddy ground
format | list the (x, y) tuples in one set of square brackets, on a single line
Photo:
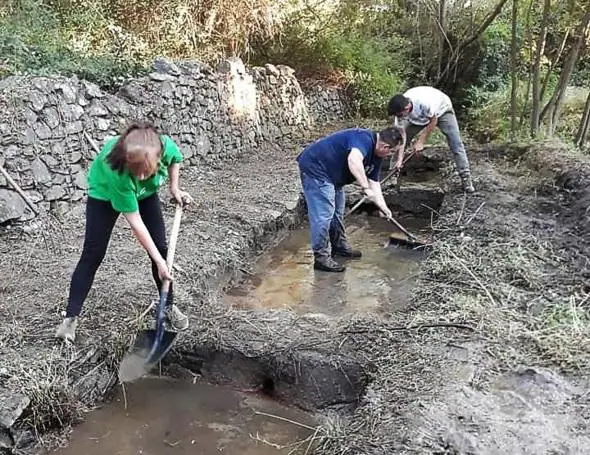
[(506, 281)]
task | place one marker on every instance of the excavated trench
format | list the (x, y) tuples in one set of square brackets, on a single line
[(256, 383)]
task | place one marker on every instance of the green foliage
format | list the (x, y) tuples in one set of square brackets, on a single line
[(488, 118), (33, 40), (494, 66), (373, 72)]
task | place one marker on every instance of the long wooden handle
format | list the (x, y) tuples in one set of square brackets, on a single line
[(172, 244), (404, 230), (19, 190), (174, 236)]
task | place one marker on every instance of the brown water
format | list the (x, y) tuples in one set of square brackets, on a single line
[(165, 416), (381, 280)]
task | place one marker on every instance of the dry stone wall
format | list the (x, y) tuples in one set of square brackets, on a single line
[(215, 115)]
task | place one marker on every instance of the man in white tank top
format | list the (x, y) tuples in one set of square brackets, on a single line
[(420, 110)]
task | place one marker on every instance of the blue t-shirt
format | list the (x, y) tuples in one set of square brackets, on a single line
[(327, 158)]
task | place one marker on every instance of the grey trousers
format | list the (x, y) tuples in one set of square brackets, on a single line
[(449, 126)]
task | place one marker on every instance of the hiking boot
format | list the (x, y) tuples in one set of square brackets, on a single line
[(67, 329), (327, 264), (467, 184), (346, 253), (177, 318)]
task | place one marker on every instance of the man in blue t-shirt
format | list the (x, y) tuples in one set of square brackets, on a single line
[(325, 167)]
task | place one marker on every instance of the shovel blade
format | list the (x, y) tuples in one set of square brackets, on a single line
[(400, 240), (139, 361)]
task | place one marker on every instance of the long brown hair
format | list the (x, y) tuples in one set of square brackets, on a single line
[(138, 149)]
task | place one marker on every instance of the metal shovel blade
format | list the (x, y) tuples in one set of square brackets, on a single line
[(141, 359), (400, 240)]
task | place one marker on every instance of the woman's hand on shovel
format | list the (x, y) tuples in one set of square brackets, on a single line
[(163, 271), (182, 197)]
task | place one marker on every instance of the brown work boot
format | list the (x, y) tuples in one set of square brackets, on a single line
[(467, 184), (327, 264), (67, 329)]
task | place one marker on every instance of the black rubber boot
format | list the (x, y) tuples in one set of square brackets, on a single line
[(327, 264), (347, 253)]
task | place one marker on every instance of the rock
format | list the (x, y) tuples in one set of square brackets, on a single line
[(102, 124), (76, 111), (92, 90), (51, 117), (161, 65), (77, 195), (42, 130), (162, 77), (12, 406), (59, 179), (132, 92), (30, 116), (80, 180), (28, 136), (40, 172), (34, 196), (37, 100), (54, 193), (12, 207), (49, 160), (74, 127), (203, 145), (69, 93), (167, 89), (6, 441), (97, 109), (75, 157)]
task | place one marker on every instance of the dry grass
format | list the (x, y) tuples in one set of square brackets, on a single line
[(496, 267)]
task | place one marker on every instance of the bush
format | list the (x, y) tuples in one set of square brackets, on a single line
[(33, 40), (372, 70)]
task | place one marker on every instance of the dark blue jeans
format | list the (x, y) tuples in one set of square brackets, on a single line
[(325, 210)]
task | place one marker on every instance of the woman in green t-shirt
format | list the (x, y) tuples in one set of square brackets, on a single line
[(125, 178)]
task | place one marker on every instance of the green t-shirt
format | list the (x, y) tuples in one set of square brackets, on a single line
[(123, 190)]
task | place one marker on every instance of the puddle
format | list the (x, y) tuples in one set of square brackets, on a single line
[(165, 416), (381, 281)]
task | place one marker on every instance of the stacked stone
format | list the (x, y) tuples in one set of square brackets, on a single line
[(216, 116)]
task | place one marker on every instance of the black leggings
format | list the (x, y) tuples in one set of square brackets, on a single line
[(100, 220)]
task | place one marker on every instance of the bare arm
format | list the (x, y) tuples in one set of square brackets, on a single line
[(426, 132), (379, 200), (355, 164), (174, 173)]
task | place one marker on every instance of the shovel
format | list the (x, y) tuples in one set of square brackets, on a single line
[(408, 241), (395, 172), (152, 345)]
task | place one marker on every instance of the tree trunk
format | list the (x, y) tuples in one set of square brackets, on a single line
[(556, 102), (453, 61), (442, 19), (528, 42), (540, 48), (584, 129), (553, 63), (514, 70)]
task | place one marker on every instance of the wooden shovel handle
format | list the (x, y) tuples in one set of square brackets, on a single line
[(172, 245)]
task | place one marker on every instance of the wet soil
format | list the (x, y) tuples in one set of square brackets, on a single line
[(381, 281), (163, 416)]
